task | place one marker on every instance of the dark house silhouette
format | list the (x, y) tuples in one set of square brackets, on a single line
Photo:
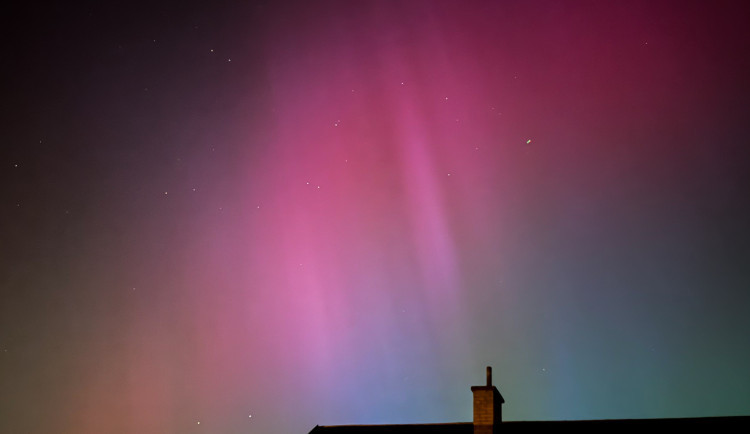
[(488, 419)]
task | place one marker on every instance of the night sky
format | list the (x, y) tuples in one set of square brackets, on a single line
[(256, 217)]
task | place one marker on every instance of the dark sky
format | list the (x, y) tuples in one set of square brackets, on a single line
[(256, 217)]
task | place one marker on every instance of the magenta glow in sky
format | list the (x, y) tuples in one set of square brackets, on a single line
[(261, 218)]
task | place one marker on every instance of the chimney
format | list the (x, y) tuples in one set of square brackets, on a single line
[(488, 404)]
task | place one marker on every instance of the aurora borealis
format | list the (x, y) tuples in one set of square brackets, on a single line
[(256, 217)]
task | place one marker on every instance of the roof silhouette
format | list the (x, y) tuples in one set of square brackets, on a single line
[(713, 423), (488, 420)]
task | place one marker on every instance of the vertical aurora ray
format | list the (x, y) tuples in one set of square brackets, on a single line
[(365, 267)]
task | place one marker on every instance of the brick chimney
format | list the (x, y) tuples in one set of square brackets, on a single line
[(488, 411)]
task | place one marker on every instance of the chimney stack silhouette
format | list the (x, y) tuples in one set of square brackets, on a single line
[(488, 402)]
